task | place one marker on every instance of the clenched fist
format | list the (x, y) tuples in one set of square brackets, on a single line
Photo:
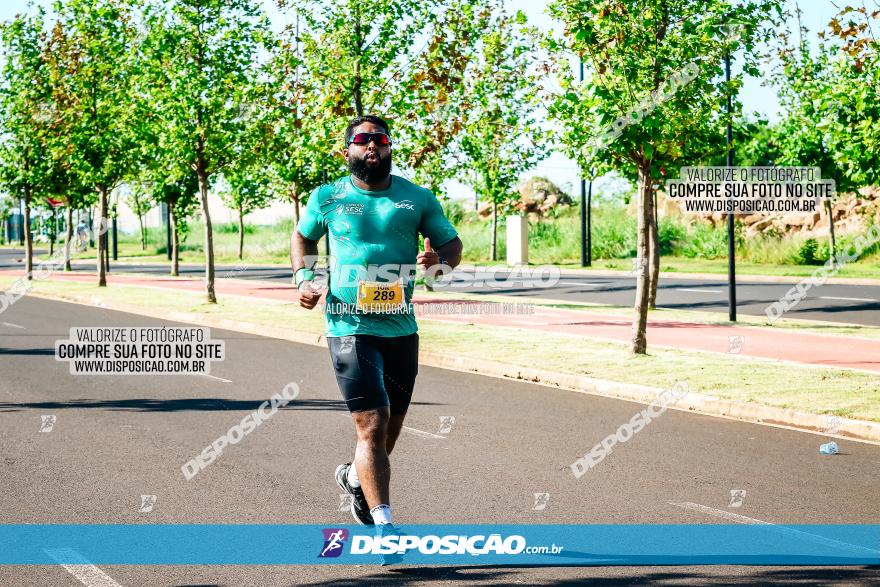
[(309, 295)]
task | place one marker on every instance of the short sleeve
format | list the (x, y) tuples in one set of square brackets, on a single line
[(312, 224), (434, 224)]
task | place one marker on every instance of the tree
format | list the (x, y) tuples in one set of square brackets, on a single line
[(652, 94), (433, 108), (24, 97), (500, 137), (201, 57), (181, 196), (138, 200), (846, 100), (828, 126), (347, 59), (248, 190), (95, 39), (301, 135), (65, 179)]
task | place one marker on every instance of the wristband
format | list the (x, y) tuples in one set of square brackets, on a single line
[(303, 274)]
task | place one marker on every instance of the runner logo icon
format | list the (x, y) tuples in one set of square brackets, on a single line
[(334, 541)]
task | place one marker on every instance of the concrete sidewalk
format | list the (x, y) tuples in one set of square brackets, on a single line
[(745, 341)]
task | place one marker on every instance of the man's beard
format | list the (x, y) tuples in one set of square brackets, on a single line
[(370, 173)]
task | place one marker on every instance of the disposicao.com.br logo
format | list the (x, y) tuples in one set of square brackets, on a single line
[(451, 544)]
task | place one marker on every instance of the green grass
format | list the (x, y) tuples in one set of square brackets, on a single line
[(810, 389)]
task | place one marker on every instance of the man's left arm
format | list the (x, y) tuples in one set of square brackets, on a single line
[(449, 254), (435, 225)]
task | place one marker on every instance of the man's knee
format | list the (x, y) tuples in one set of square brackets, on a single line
[(372, 425)]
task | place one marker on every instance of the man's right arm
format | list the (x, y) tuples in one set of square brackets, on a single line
[(300, 249)]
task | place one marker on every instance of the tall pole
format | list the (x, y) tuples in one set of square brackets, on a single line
[(731, 242), (21, 222), (585, 249), (115, 243), (590, 221), (168, 229)]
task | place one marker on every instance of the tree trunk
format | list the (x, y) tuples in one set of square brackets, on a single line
[(645, 216), (175, 240), (654, 268), (240, 233), (102, 223), (209, 237), (830, 209), (294, 196), (68, 233), (143, 230), (28, 240), (52, 230), (494, 231)]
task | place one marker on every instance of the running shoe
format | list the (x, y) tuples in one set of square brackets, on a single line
[(359, 508)]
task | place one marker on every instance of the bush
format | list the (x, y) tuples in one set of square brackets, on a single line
[(454, 210), (808, 254), (232, 228), (671, 235), (705, 242)]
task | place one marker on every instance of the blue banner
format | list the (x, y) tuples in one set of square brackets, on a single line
[(279, 544)]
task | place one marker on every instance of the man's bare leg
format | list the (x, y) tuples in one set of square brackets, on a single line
[(371, 455), (395, 425)]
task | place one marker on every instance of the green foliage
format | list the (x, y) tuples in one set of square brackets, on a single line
[(501, 137), (199, 77), (704, 241), (808, 253), (24, 107), (631, 50), (232, 228), (94, 42), (671, 235), (454, 210)]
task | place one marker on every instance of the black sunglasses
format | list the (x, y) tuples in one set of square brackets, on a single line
[(364, 138)]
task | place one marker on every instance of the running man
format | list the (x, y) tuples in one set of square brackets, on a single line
[(373, 220)]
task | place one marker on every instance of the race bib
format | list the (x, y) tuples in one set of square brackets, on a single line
[(375, 297)]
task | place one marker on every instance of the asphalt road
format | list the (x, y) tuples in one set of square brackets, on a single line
[(853, 304), (119, 437)]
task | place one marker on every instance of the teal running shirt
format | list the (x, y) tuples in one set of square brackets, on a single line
[(374, 236)]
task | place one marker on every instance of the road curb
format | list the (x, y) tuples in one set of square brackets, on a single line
[(848, 429)]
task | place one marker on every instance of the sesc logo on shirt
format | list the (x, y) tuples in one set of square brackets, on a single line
[(407, 204)]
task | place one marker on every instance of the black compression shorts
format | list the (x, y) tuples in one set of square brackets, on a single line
[(375, 371)]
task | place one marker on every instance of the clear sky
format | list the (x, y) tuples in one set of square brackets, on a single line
[(756, 96)]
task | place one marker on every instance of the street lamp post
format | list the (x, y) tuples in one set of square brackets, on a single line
[(586, 198), (731, 242)]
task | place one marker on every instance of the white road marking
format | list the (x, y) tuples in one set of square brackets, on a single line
[(747, 520), (87, 574), (11, 325), (214, 377), (422, 433), (415, 431), (699, 290), (579, 283), (848, 299)]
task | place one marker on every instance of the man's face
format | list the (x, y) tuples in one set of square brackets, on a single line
[(371, 163)]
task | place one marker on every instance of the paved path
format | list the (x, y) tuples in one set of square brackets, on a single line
[(853, 301), (810, 349), (117, 438)]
